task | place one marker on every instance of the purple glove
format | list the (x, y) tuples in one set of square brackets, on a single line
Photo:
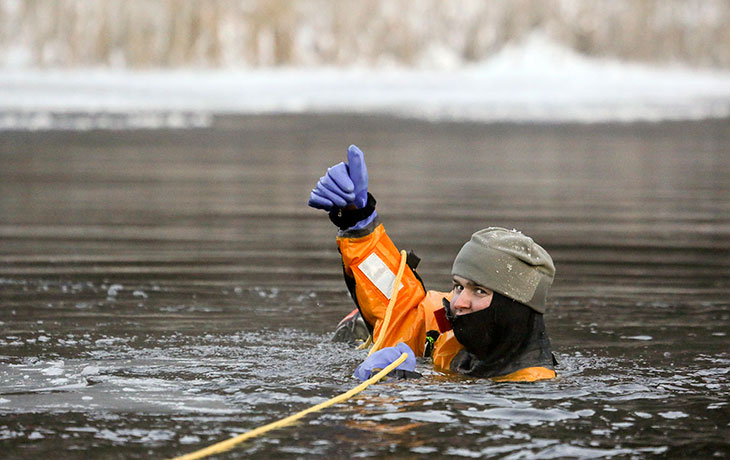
[(358, 174), (344, 184), (382, 358)]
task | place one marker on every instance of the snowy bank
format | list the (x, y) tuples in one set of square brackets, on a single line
[(534, 82)]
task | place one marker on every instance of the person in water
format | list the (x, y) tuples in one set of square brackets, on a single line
[(491, 323)]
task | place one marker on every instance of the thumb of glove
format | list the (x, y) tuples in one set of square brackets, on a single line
[(358, 172)]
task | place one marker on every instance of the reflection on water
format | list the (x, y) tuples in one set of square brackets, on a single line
[(160, 291)]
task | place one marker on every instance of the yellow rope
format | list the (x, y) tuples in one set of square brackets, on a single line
[(391, 304), (366, 343), (228, 444)]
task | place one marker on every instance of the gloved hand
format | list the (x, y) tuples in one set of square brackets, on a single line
[(344, 184), (382, 358)]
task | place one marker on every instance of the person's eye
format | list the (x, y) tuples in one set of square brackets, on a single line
[(458, 287), (481, 292)]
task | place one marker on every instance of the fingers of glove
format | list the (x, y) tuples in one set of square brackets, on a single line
[(362, 372), (358, 172), (404, 348), (339, 175), (333, 196), (410, 363), (328, 183), (378, 360), (320, 202), (382, 358)]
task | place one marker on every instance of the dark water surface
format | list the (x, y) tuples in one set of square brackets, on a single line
[(164, 290)]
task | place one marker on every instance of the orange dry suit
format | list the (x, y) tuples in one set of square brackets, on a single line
[(370, 261)]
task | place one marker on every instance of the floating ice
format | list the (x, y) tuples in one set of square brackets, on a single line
[(90, 370), (189, 439), (433, 416), (526, 415), (673, 415), (114, 290), (57, 368)]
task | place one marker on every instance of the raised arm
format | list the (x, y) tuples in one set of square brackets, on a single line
[(370, 259)]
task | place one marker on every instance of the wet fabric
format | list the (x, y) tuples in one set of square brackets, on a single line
[(413, 313)]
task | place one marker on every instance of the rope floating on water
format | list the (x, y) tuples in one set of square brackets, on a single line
[(228, 444)]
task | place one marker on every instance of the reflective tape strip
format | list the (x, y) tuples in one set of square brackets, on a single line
[(379, 274)]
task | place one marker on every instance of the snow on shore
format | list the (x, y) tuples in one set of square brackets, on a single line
[(534, 82)]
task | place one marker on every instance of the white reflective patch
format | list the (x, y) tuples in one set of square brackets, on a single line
[(379, 274)]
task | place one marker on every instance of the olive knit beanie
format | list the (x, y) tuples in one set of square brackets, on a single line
[(507, 262)]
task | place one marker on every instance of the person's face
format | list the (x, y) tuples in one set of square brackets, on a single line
[(469, 297)]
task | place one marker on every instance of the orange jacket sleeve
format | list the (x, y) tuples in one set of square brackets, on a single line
[(371, 261)]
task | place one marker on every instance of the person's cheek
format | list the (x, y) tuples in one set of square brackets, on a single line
[(454, 298)]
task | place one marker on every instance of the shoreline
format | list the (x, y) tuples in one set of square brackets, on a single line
[(78, 121)]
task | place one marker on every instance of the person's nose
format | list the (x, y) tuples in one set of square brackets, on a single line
[(462, 302)]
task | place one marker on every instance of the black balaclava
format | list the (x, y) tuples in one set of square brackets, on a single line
[(495, 336)]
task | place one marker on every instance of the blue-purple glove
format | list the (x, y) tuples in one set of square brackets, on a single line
[(344, 184), (343, 192), (382, 358)]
